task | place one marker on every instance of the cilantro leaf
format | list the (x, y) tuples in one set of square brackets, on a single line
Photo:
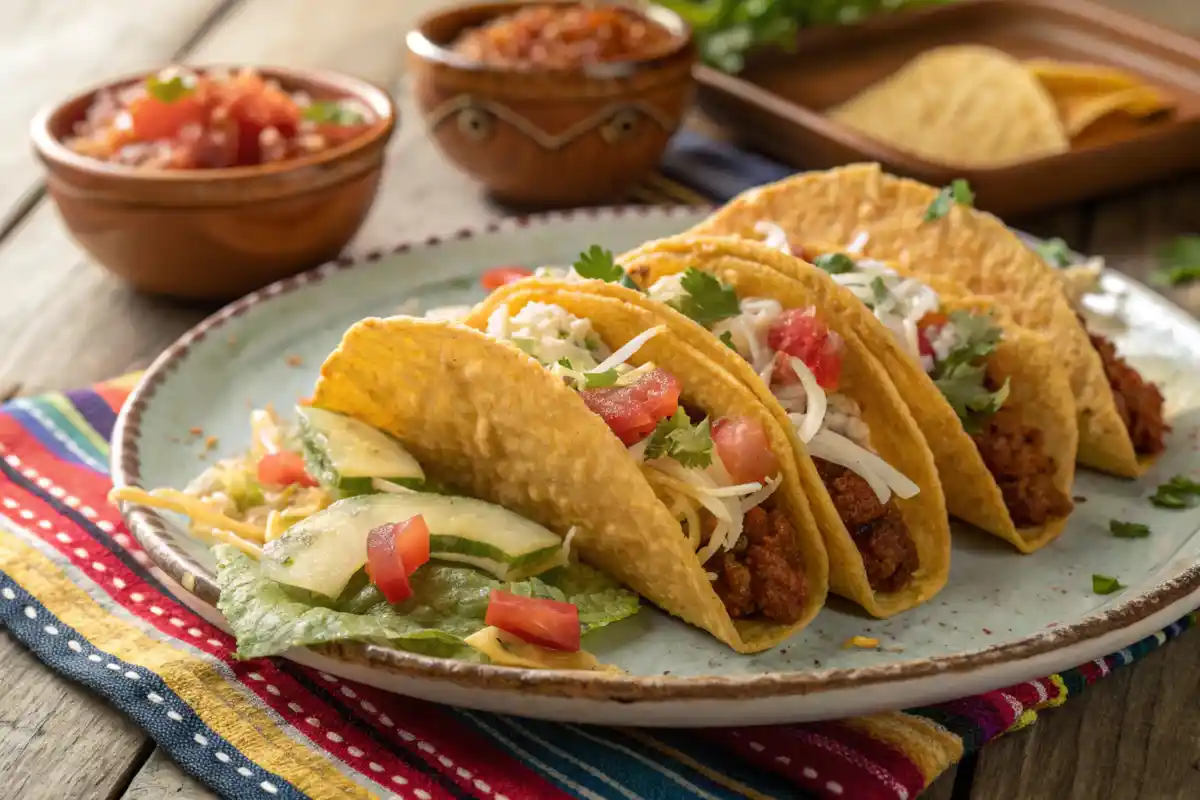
[(598, 264), (727, 339), (1105, 584), (879, 291), (1128, 530), (1179, 261), (331, 112), (708, 301), (676, 437), (171, 90), (1054, 252), (835, 263), (961, 376), (959, 191), (1179, 492)]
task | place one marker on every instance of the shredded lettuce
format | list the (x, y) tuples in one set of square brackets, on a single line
[(448, 604)]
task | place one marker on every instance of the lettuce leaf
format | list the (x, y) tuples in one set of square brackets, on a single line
[(448, 604)]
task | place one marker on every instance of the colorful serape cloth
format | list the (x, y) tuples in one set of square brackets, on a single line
[(76, 589)]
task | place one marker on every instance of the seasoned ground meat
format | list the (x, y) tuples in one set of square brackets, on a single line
[(1138, 401), (1015, 456), (878, 531), (764, 573)]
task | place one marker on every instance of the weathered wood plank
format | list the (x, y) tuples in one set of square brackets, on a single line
[(160, 777), (943, 787), (1135, 734), (56, 739), (53, 47)]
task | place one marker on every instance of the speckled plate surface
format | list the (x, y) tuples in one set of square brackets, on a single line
[(1003, 617)]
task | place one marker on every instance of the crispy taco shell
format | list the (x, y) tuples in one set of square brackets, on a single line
[(902, 446), (973, 249), (488, 419)]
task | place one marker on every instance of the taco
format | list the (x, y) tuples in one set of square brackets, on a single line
[(1120, 414), (869, 477), (988, 396), (327, 531), (573, 414)]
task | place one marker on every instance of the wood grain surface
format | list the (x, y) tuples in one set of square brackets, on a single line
[(1135, 734)]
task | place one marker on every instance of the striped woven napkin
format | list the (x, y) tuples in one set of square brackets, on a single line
[(76, 589)]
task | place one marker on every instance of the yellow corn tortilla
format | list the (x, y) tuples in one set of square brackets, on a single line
[(893, 431), (1039, 395), (491, 421), (962, 105), (972, 250)]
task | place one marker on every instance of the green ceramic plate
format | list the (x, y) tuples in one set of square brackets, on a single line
[(1003, 617)]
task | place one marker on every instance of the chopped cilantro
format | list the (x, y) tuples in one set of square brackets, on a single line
[(727, 338), (1128, 530), (331, 112), (835, 263), (708, 301), (959, 191), (598, 264), (1105, 584), (1055, 252), (1179, 261), (676, 437), (961, 376), (1179, 492), (171, 90)]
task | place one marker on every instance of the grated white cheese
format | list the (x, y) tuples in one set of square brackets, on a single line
[(628, 350), (882, 477), (773, 236), (814, 415)]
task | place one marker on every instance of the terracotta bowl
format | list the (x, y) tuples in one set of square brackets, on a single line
[(216, 234), (549, 137)]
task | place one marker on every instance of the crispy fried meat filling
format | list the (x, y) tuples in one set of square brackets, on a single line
[(763, 575), (1139, 402), (887, 548)]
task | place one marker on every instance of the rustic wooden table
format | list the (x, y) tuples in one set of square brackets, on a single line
[(1135, 734)]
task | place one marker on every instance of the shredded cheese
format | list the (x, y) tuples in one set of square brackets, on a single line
[(816, 402), (192, 507), (773, 236), (627, 350), (881, 476)]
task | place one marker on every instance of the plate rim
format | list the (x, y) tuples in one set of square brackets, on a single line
[(150, 529)]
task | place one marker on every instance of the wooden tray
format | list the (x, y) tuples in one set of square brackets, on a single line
[(775, 105)]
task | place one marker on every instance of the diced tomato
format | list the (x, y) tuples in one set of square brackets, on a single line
[(800, 333), (744, 449), (498, 276), (153, 119), (546, 623), (394, 552), (932, 321), (254, 106), (283, 469), (632, 412), (799, 252)]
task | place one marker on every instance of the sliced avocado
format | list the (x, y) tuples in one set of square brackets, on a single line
[(323, 552), (345, 455)]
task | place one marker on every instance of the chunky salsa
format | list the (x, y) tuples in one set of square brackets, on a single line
[(564, 37), (180, 119)]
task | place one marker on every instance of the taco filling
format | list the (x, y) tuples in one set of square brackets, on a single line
[(1139, 402), (800, 359), (953, 349), (717, 476), (329, 531)]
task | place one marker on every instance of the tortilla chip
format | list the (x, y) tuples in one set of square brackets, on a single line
[(966, 106), (1078, 111), (970, 248), (488, 419), (893, 432)]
